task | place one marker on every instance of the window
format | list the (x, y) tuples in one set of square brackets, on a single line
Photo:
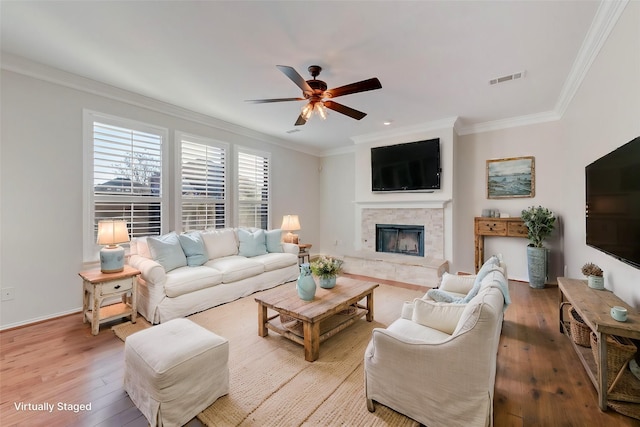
[(203, 183), (124, 168), (253, 172)]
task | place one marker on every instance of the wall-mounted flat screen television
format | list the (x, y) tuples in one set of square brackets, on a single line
[(613, 203), (412, 166)]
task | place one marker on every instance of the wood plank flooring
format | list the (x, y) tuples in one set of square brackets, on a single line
[(539, 382)]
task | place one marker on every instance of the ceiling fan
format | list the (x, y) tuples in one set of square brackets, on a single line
[(315, 91)]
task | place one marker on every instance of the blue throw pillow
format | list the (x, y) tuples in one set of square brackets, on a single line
[(193, 247), (166, 250), (274, 240), (251, 243), (442, 296), (488, 266)]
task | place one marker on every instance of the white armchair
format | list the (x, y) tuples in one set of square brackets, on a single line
[(437, 363)]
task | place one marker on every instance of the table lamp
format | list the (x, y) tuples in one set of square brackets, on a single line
[(110, 233), (290, 223)]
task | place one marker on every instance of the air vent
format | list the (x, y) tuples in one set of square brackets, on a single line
[(293, 130), (508, 78)]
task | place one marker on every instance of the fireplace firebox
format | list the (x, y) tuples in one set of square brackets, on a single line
[(400, 239)]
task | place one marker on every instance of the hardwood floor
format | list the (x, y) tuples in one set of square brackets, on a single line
[(539, 381)]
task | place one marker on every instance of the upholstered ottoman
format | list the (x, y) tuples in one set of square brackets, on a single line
[(175, 370)]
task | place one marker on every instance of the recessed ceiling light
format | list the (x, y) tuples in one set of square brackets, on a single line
[(387, 122)]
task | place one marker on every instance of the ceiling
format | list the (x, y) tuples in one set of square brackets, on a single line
[(433, 58)]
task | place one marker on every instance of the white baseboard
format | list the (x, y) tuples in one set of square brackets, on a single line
[(40, 319)]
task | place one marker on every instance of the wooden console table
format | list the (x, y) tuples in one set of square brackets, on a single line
[(504, 227), (594, 308)]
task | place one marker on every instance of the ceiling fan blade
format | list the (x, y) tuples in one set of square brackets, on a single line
[(363, 86), (347, 111), (262, 101), (301, 120), (296, 78)]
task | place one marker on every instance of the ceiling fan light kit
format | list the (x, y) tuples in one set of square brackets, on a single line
[(315, 91)]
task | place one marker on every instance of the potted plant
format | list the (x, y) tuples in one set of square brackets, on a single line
[(594, 274), (540, 223), (326, 269)]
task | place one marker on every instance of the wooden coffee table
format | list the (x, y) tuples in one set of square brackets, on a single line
[(311, 322)]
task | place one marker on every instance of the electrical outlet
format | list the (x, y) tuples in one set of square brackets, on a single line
[(8, 294)]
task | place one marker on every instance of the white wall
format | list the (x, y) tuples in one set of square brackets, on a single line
[(337, 178), (542, 142), (41, 178), (604, 114)]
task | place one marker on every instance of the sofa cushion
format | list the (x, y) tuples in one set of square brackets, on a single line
[(276, 261), (236, 267), (220, 243), (185, 280), (441, 316), (166, 250), (252, 243), (417, 332), (273, 239), (455, 283), (193, 247)]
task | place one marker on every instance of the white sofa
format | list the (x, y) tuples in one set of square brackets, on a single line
[(187, 273), (437, 363)]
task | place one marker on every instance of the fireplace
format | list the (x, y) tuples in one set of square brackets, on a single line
[(400, 239)]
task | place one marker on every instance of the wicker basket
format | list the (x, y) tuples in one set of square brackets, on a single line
[(580, 332), (620, 350)]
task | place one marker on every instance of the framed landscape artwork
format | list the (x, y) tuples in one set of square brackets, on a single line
[(511, 178)]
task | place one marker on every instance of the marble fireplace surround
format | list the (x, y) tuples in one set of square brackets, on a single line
[(424, 271)]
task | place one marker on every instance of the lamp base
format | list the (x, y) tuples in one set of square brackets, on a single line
[(290, 238), (112, 259)]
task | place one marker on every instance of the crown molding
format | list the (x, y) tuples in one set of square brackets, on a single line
[(24, 66), (603, 23), (447, 123), (530, 119)]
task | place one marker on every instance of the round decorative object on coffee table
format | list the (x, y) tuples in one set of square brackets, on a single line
[(327, 282)]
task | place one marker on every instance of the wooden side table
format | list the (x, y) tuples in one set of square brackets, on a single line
[(98, 286), (304, 252), (505, 227)]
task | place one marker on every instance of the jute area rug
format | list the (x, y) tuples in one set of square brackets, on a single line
[(272, 385)]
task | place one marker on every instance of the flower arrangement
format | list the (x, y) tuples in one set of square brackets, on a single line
[(590, 269), (540, 223), (325, 267)]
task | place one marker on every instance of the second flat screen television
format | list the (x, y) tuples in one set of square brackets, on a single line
[(413, 166)]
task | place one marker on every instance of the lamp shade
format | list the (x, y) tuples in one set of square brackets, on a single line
[(290, 223), (112, 232)]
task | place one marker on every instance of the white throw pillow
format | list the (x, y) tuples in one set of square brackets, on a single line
[(220, 243), (437, 315), (142, 248), (457, 283)]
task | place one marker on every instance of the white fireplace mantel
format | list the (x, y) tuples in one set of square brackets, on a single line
[(409, 204)]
